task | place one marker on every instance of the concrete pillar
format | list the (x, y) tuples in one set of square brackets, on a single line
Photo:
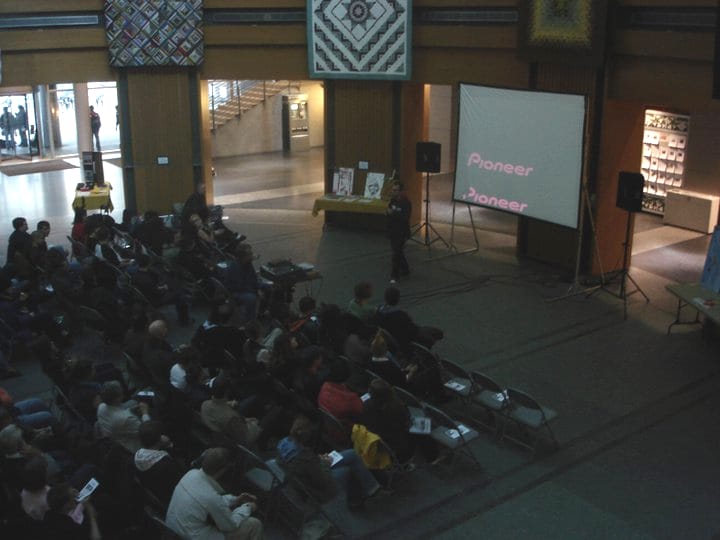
[(82, 118)]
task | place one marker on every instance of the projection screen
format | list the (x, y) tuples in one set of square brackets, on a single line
[(521, 152)]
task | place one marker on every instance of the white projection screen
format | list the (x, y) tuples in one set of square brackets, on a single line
[(521, 152)]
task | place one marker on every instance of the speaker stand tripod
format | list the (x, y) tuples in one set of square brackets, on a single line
[(426, 225), (623, 275)]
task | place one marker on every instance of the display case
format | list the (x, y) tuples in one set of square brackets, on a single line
[(296, 123), (665, 141)]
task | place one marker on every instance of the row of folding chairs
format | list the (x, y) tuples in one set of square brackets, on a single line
[(510, 413)]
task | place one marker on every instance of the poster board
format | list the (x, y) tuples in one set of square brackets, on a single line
[(343, 181), (374, 185)]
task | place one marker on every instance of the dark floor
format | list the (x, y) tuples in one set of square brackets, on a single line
[(638, 409)]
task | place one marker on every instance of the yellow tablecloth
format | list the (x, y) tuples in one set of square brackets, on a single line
[(349, 204), (97, 198)]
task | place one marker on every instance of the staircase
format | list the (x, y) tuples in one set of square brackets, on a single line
[(231, 99)]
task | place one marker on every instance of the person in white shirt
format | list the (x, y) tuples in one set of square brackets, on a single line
[(198, 496), (116, 420)]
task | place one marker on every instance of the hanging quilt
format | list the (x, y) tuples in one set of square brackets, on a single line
[(154, 32), (359, 39)]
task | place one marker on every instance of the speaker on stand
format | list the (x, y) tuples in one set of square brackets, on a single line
[(629, 198), (427, 160)]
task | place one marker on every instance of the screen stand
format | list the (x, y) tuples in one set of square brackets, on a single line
[(577, 288), (474, 231)]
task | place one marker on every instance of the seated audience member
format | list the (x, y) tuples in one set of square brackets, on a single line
[(197, 390), (78, 232), (217, 334), (185, 356), (337, 399), (16, 449), (19, 240), (400, 324), (242, 282), (31, 413), (360, 305), (156, 469), (153, 234), (333, 328), (385, 367), (104, 249), (117, 422), (388, 417), (309, 374), (157, 354), (157, 291), (68, 519), (83, 389), (43, 227), (66, 281), (316, 474), (33, 496), (37, 251), (195, 229), (193, 260), (306, 326), (220, 416), (199, 509)]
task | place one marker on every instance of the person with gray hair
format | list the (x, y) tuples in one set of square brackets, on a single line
[(120, 421), (198, 496)]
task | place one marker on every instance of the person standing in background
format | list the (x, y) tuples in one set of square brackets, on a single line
[(21, 123), (95, 127)]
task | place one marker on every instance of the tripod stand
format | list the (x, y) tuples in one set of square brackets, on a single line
[(624, 274), (426, 225)]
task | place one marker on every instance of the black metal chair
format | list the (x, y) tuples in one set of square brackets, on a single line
[(454, 436), (526, 413), (491, 397)]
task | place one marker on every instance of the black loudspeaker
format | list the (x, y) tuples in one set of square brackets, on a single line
[(630, 191), (427, 157)]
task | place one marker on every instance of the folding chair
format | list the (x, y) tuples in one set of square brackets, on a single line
[(266, 477), (413, 404), (161, 528), (78, 250), (334, 433), (453, 436), (529, 415), (490, 396)]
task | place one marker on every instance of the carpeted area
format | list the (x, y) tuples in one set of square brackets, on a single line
[(35, 167), (682, 262)]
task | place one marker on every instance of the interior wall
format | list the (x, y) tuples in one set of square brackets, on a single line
[(256, 131), (259, 130), (440, 124), (702, 168), (154, 96), (315, 91)]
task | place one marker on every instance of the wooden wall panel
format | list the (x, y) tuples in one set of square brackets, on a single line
[(620, 147), (44, 6), (415, 104), (494, 67), (52, 39), (248, 35), (364, 124), (45, 67), (160, 125), (255, 63)]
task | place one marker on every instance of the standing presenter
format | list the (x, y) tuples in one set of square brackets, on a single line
[(398, 212)]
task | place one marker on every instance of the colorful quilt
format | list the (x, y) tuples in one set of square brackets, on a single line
[(359, 39), (154, 32)]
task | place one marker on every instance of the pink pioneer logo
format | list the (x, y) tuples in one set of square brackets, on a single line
[(498, 166)]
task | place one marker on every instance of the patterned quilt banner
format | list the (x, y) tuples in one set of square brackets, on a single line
[(154, 32), (359, 39)]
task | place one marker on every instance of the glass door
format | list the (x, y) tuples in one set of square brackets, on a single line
[(18, 127)]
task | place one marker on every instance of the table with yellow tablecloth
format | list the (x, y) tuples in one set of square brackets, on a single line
[(361, 205), (98, 198)]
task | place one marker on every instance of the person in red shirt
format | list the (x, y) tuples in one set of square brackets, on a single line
[(337, 399)]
